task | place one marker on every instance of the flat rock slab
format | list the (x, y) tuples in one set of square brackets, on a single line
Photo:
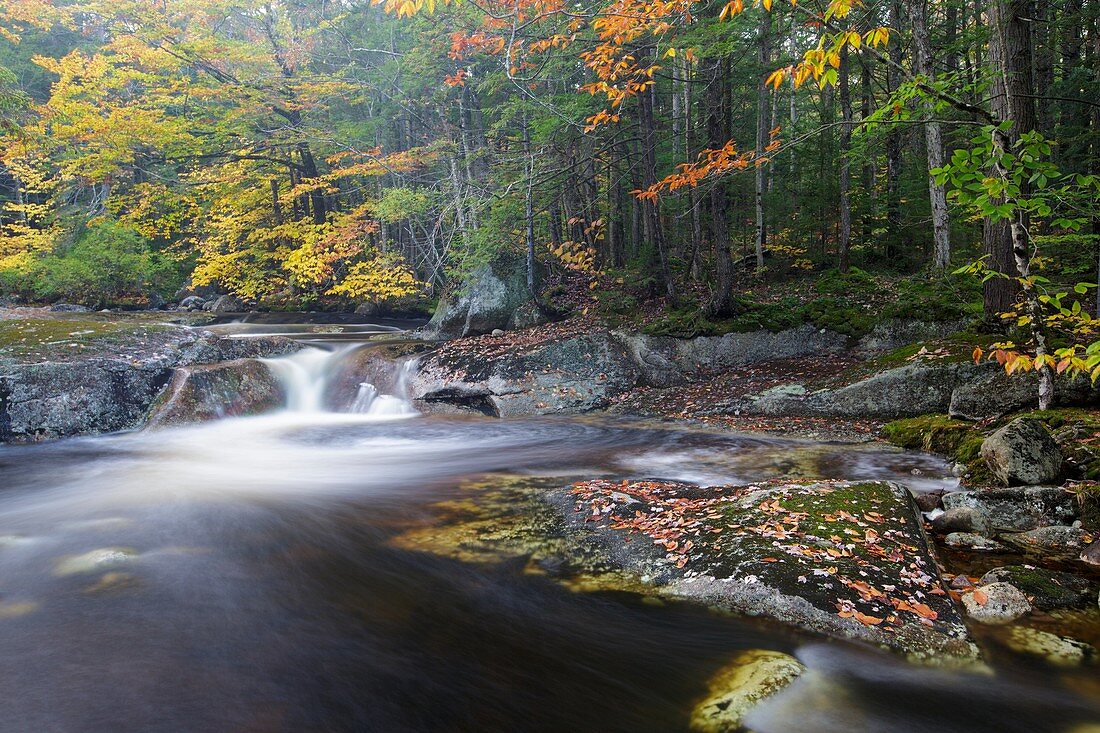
[(848, 559), (842, 559)]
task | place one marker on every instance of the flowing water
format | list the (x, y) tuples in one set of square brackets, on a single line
[(240, 576)]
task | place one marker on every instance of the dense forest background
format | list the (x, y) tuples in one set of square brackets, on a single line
[(309, 153)]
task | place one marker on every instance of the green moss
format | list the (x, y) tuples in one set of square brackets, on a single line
[(934, 433), (46, 338), (955, 439)]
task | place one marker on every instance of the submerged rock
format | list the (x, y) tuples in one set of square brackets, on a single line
[(972, 541), (751, 677), (996, 603), (1023, 452), (1060, 651)]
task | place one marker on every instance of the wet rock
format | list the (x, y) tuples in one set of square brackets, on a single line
[(1023, 452), (1015, 509), (488, 301), (971, 541), (750, 678), (192, 303), (929, 500), (214, 391), (956, 519), (68, 308), (572, 375), (1051, 543), (1047, 589), (996, 604), (227, 304), (104, 558), (1091, 554), (109, 387), (1060, 651), (776, 551)]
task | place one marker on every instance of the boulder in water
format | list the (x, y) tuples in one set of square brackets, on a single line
[(996, 603), (214, 391), (1060, 651), (104, 558), (1014, 509), (68, 308)]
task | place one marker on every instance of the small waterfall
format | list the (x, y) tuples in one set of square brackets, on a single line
[(308, 377), (369, 402)]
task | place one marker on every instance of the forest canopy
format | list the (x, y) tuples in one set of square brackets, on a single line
[(328, 154)]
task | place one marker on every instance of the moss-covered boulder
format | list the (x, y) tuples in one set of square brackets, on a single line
[(1023, 453)]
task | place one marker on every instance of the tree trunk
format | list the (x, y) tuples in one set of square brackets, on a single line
[(1010, 56), (933, 138), (1010, 50), (651, 209), (845, 237), (893, 142), (763, 117), (717, 127)]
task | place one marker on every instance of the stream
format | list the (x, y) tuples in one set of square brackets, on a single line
[(240, 575)]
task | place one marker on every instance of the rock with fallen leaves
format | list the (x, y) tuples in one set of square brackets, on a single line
[(749, 678), (840, 559), (996, 603), (846, 559)]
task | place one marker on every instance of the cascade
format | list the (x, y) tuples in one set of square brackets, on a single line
[(308, 375)]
